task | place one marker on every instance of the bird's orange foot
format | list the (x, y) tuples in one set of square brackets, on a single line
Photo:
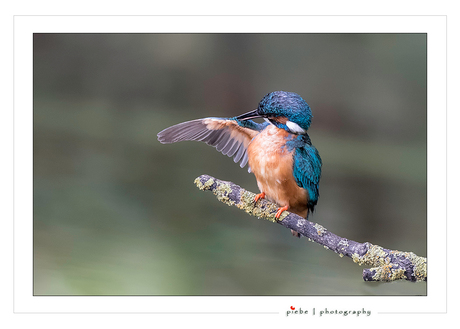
[(259, 196), (280, 211)]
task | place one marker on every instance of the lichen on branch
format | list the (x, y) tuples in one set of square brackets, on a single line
[(386, 264)]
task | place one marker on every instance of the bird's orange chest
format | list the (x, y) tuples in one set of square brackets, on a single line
[(267, 154), (272, 164)]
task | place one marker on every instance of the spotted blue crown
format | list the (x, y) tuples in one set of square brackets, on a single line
[(286, 104)]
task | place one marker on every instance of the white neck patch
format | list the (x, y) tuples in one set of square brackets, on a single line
[(295, 128)]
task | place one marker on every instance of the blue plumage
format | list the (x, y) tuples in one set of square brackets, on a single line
[(307, 166), (250, 124), (286, 104), (307, 172)]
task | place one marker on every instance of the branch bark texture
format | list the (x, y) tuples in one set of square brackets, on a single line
[(385, 264)]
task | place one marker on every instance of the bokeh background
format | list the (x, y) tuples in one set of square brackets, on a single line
[(117, 213)]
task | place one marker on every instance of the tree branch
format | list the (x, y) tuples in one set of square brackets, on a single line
[(386, 264)]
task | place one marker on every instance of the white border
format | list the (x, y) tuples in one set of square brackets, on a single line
[(25, 26)]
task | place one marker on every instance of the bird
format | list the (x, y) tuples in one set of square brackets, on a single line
[(278, 151)]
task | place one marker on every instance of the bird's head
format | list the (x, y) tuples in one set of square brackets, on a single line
[(286, 110)]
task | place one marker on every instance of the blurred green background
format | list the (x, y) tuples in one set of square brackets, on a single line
[(117, 213)]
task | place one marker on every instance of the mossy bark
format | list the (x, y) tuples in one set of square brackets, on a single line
[(386, 264)]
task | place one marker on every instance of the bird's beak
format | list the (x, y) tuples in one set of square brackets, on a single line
[(250, 115)]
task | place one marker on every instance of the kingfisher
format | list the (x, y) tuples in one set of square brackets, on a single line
[(278, 151)]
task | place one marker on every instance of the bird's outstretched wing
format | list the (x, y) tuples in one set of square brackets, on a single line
[(229, 136), (307, 171)]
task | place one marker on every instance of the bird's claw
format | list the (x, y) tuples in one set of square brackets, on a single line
[(259, 196), (280, 211)]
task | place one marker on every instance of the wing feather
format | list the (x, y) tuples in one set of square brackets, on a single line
[(239, 153), (230, 147), (226, 135)]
